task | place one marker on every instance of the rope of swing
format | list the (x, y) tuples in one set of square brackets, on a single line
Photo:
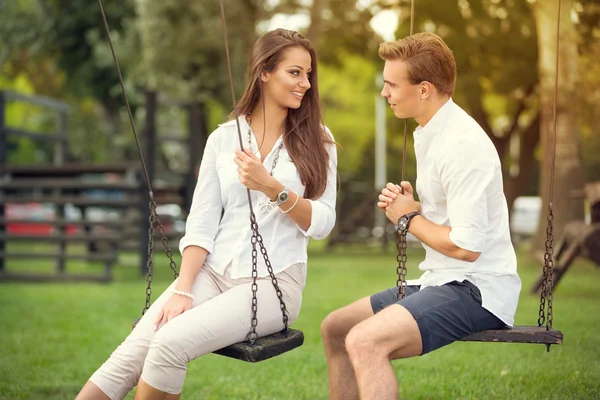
[(401, 243), (153, 218), (546, 297), (256, 236)]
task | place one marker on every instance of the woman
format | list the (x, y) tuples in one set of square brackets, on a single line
[(289, 164)]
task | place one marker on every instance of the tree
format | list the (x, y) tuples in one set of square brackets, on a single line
[(568, 172), (60, 47), (337, 27), (589, 117), (316, 21), (589, 97), (69, 33), (23, 30), (494, 44), (183, 50)]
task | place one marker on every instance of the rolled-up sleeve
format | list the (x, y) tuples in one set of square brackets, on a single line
[(322, 218), (203, 220), (466, 172)]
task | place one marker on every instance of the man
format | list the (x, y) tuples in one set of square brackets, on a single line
[(470, 281)]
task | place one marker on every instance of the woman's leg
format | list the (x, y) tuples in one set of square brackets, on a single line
[(145, 391), (121, 372), (217, 323)]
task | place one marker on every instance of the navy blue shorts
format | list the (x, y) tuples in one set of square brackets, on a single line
[(443, 313)]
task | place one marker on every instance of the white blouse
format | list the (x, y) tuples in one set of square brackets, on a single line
[(219, 192)]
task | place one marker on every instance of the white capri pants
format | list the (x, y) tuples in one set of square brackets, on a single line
[(220, 316)]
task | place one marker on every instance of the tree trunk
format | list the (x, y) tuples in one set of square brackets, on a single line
[(316, 22), (568, 173), (517, 185)]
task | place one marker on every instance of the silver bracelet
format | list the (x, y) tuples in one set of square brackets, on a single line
[(186, 294)]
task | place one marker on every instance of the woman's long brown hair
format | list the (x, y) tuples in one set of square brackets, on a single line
[(304, 137)]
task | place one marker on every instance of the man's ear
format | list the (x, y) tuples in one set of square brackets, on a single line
[(425, 89)]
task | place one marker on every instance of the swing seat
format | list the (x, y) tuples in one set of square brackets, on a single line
[(518, 334), (264, 347)]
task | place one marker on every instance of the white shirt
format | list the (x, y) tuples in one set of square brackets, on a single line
[(227, 239), (459, 182)]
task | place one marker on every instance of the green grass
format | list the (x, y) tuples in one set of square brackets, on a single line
[(54, 336)]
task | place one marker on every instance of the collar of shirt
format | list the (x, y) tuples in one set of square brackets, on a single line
[(423, 134), (244, 128), (436, 122)]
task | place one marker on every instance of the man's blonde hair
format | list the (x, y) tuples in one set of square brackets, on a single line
[(428, 59)]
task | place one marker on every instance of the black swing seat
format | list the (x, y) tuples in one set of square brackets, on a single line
[(518, 334), (264, 347)]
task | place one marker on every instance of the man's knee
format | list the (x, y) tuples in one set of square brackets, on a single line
[(391, 334), (333, 327), (357, 344), (361, 343), (336, 325)]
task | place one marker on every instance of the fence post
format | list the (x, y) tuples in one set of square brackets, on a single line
[(60, 149), (196, 143), (3, 162)]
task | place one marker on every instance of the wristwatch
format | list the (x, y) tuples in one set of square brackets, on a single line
[(404, 221), (282, 197)]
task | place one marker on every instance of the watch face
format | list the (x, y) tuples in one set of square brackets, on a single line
[(283, 197), (402, 223)]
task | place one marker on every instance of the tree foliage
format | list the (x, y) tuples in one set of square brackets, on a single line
[(68, 33), (182, 46), (176, 47)]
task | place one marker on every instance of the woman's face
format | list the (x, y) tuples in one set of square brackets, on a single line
[(287, 84)]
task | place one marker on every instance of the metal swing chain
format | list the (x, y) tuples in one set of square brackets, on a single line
[(256, 237), (150, 262), (401, 268), (401, 243), (546, 297), (165, 242), (547, 279), (153, 217)]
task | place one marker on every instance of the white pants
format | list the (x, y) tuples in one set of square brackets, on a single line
[(220, 316)]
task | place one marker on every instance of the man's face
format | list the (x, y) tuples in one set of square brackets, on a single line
[(403, 97)]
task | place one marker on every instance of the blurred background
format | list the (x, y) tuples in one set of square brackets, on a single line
[(62, 115), (74, 204)]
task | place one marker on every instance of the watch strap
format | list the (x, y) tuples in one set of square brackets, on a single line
[(406, 218)]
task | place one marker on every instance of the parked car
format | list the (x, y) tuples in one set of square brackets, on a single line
[(525, 217)]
